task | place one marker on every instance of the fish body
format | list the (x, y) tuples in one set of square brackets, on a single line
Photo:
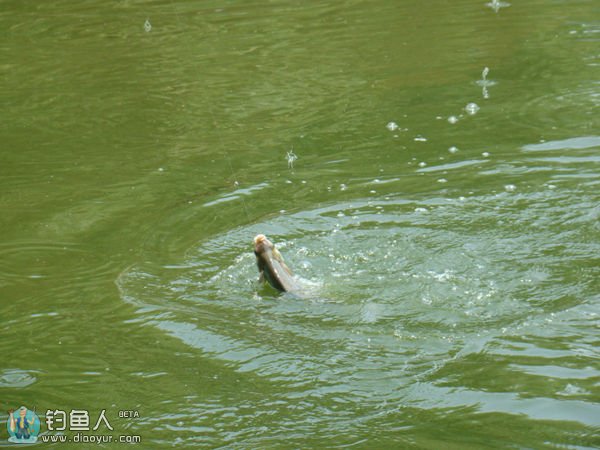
[(271, 266)]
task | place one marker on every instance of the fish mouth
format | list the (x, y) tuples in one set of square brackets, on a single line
[(262, 245), (259, 238)]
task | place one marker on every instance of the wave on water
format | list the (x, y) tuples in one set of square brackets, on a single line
[(408, 291)]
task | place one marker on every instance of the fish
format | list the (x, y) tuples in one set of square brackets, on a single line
[(271, 266)]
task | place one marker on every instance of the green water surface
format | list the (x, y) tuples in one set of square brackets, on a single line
[(451, 252)]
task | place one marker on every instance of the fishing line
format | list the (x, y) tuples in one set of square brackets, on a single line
[(148, 28), (222, 145)]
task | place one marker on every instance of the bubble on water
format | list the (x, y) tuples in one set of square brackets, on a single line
[(147, 26), (373, 192), (485, 154), (453, 149), (420, 139), (452, 119), (343, 187), (288, 181), (472, 108), (392, 126), (420, 210), (306, 264), (160, 169), (510, 188), (422, 164), (442, 180)]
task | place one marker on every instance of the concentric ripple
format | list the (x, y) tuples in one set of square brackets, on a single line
[(405, 290)]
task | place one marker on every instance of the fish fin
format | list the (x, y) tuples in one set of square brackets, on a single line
[(281, 261)]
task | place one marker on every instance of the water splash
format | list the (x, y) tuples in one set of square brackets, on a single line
[(392, 126), (485, 83), (496, 5), (147, 26), (291, 157), (472, 108)]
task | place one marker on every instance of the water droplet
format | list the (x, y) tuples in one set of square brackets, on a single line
[(442, 180), (392, 126), (420, 210), (148, 26), (343, 187), (422, 164), (452, 119), (453, 149), (472, 108), (485, 154), (510, 188), (421, 139)]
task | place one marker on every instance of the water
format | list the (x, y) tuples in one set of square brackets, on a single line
[(452, 264)]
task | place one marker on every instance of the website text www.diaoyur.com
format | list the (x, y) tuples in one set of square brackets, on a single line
[(91, 438)]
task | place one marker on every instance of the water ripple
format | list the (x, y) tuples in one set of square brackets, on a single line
[(403, 297)]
